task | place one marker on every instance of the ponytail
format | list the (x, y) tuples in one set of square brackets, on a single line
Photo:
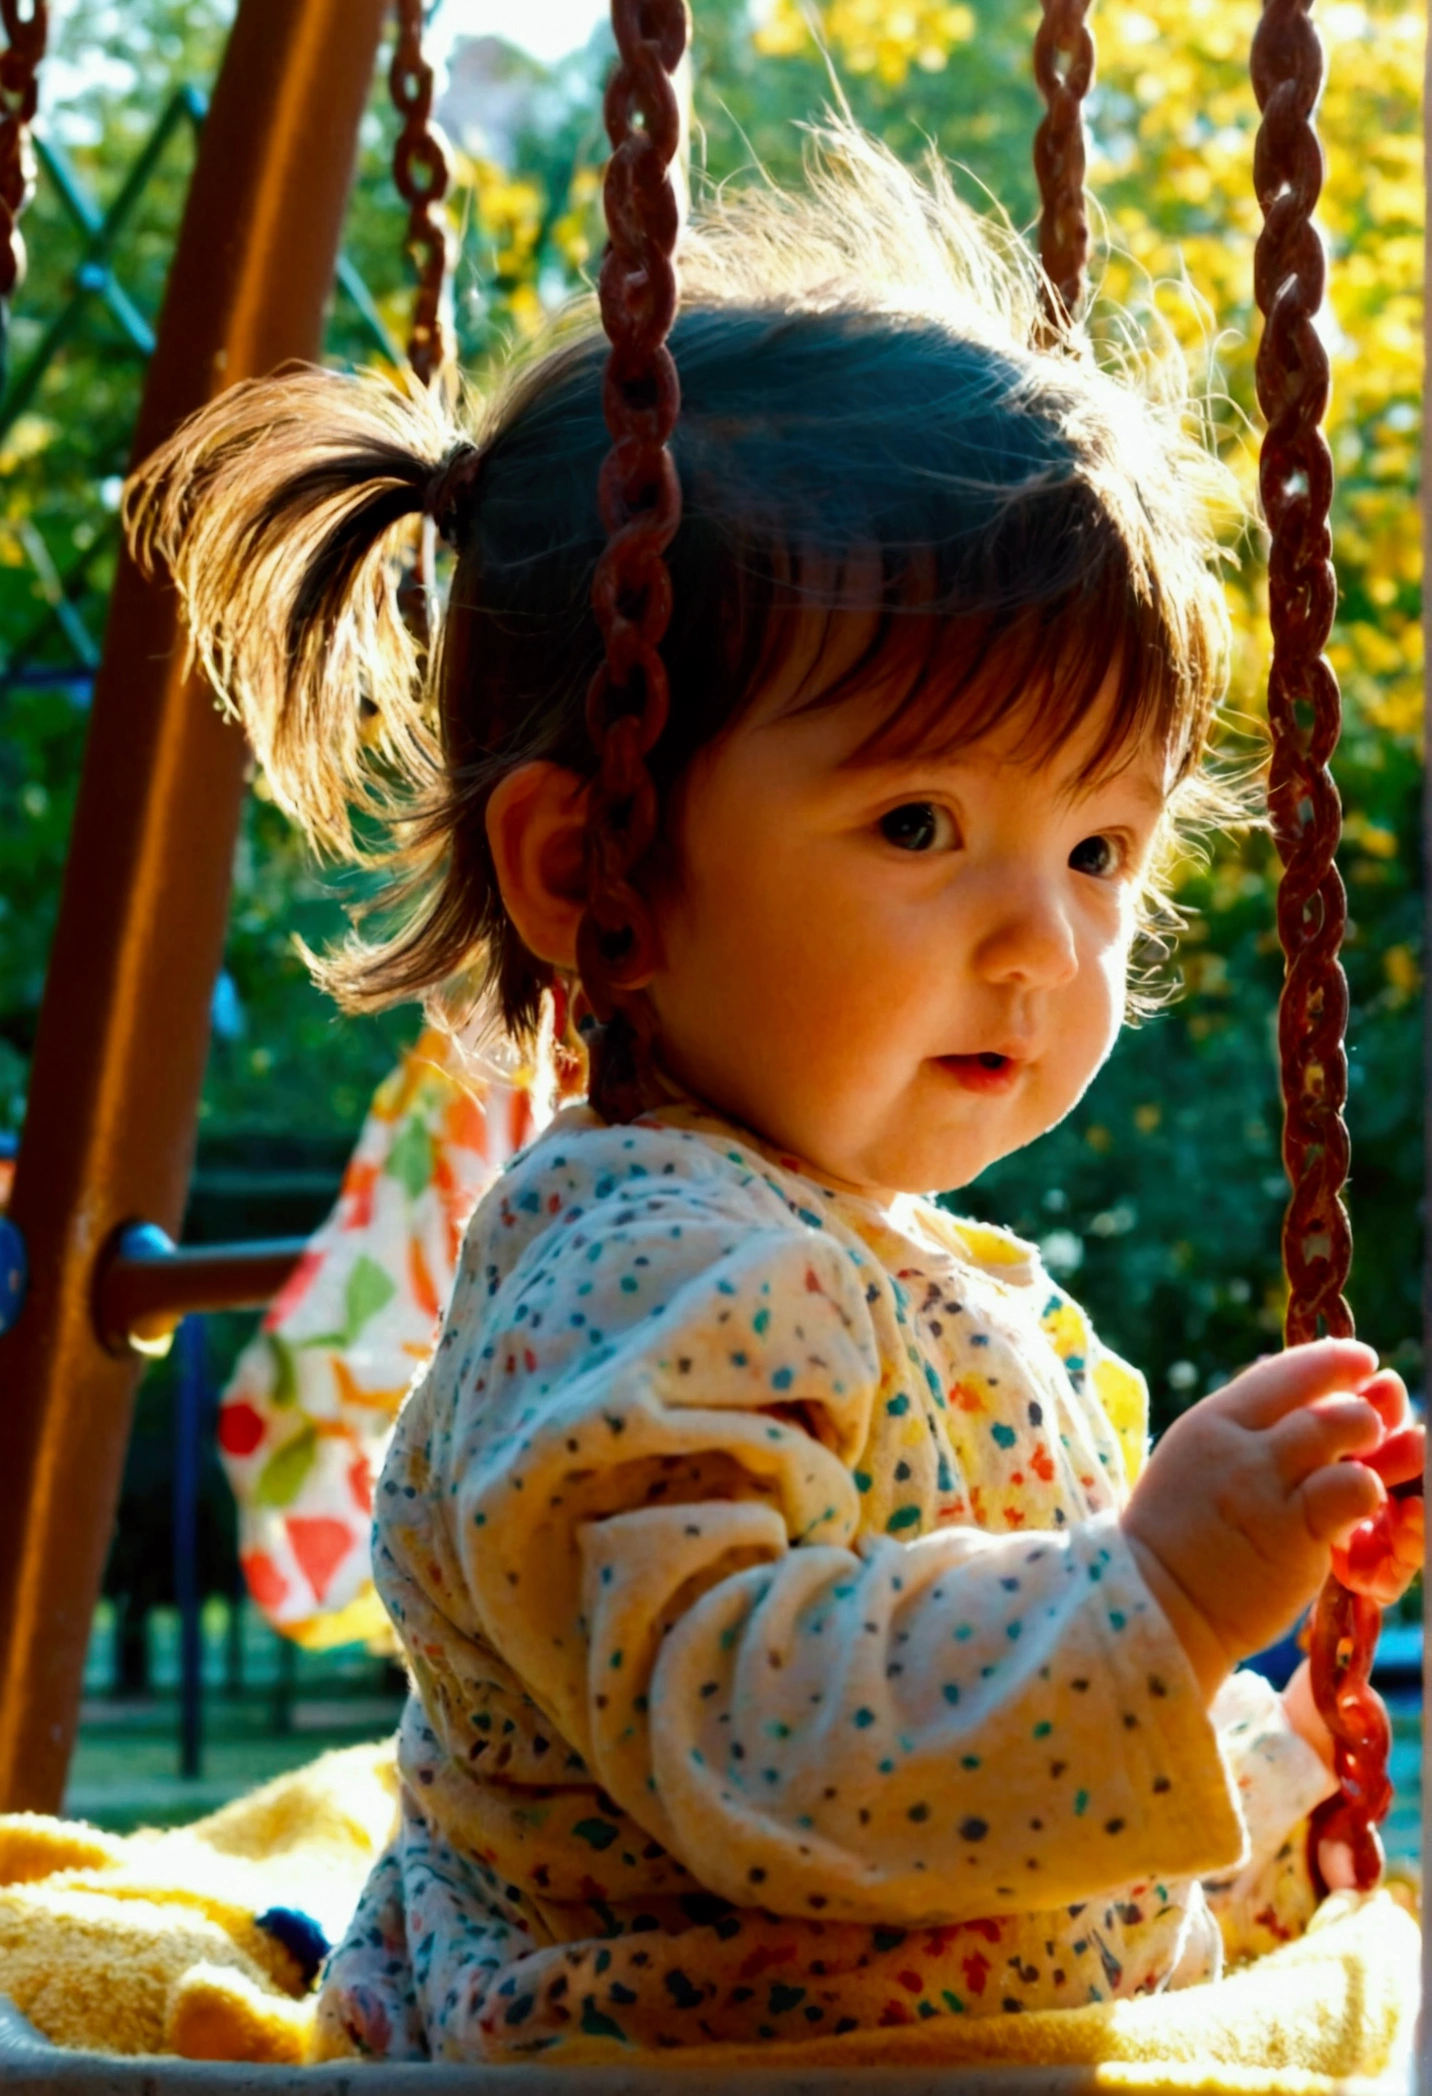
[(276, 510)]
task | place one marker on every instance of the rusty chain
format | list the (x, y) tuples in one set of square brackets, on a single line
[(1064, 73), (640, 501), (1340, 1655), (422, 171), (1304, 719), (1304, 708), (26, 34), (1370, 1569)]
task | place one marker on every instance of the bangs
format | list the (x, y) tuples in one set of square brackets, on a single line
[(1009, 531), (943, 680)]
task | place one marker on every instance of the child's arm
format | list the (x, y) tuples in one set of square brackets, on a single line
[(654, 1505)]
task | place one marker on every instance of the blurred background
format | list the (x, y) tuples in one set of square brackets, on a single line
[(1159, 1201)]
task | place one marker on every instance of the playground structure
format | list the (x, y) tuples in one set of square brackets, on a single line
[(103, 1168), (124, 1034)]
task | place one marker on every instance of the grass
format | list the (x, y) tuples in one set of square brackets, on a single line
[(126, 1768)]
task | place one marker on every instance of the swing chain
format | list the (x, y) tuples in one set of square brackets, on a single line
[(1304, 708), (422, 171), (1304, 720), (26, 35), (1341, 1650), (639, 496), (1064, 73)]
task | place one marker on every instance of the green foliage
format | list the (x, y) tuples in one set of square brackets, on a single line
[(61, 463)]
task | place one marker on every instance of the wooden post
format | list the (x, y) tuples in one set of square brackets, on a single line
[(124, 1030)]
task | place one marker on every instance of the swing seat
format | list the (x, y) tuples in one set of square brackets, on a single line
[(153, 1944)]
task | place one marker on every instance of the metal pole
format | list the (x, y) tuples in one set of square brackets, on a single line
[(123, 1033), (191, 1393)]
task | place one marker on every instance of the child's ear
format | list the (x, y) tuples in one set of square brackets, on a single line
[(536, 832)]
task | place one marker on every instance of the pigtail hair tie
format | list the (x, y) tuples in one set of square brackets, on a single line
[(448, 496)]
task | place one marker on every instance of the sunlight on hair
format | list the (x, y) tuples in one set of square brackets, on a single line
[(282, 511)]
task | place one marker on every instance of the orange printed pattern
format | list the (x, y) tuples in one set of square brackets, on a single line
[(306, 1418)]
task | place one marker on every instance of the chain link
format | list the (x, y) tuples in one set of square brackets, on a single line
[(422, 171), (1304, 720), (26, 34), (1064, 73), (1369, 1570), (1304, 708), (640, 501), (1340, 1656)]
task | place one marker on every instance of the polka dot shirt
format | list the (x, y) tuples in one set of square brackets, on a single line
[(780, 1670)]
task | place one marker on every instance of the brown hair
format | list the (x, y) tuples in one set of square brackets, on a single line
[(873, 418)]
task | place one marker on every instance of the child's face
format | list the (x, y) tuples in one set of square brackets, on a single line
[(898, 972)]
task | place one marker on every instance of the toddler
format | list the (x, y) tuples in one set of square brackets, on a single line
[(803, 1640)]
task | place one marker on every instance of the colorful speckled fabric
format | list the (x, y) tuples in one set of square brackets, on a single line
[(306, 1417), (780, 1669)]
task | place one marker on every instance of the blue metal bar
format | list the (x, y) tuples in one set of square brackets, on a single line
[(125, 311), (187, 104), (191, 1406), (102, 227), (72, 192), (70, 623), (101, 230), (18, 668)]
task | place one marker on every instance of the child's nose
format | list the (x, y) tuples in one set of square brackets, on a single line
[(1028, 938)]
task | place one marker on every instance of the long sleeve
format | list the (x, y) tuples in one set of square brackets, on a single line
[(1279, 1780), (935, 1732), (656, 1514)]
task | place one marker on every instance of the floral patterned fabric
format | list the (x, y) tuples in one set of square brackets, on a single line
[(306, 1417), (780, 1668)]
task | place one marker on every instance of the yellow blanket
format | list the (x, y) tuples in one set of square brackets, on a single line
[(153, 1943)]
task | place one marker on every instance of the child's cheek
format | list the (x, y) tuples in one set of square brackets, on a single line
[(1114, 974), (1103, 992)]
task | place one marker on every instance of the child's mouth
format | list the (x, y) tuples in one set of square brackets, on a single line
[(987, 1072)]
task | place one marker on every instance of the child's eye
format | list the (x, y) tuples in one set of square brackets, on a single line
[(1102, 857), (919, 826)]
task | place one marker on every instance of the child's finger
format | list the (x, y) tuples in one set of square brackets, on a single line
[(1380, 1557), (1389, 1393), (1263, 1394), (1337, 1498), (1322, 1432), (1400, 1457)]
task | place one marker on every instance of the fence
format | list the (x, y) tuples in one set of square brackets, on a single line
[(178, 1744)]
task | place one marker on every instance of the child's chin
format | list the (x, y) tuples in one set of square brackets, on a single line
[(944, 1167)]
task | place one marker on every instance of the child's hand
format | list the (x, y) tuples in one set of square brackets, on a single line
[(1233, 1519)]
